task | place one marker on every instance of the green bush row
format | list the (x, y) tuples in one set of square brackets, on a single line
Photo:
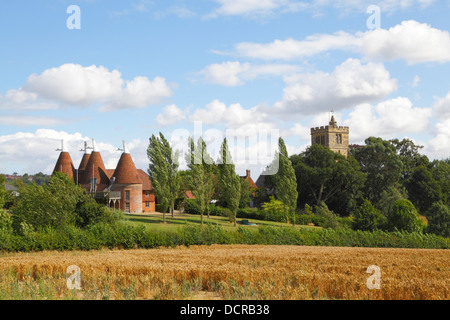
[(126, 236)]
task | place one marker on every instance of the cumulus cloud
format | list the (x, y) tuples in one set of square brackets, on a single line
[(234, 73), (387, 119), (171, 115), (438, 147), (411, 41), (442, 106), (233, 116), (75, 85), (247, 7), (351, 83), (270, 7), (33, 152)]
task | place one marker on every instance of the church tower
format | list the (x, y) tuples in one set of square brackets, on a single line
[(332, 136)]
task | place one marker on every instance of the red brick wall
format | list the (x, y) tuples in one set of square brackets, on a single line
[(150, 199), (134, 204)]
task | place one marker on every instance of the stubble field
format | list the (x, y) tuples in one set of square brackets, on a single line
[(228, 272)]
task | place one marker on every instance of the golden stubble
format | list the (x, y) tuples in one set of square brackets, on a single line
[(229, 272)]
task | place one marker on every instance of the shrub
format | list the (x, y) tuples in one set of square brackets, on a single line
[(5, 221), (250, 213), (438, 216), (328, 217), (192, 207), (48, 205), (404, 216), (367, 217), (274, 210)]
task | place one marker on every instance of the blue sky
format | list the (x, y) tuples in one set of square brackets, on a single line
[(137, 68)]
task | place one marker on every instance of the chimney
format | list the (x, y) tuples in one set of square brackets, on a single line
[(248, 173)]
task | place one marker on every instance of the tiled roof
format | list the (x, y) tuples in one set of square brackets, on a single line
[(126, 172), (95, 168), (84, 161), (65, 164), (146, 183)]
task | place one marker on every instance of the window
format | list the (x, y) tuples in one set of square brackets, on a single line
[(127, 207), (147, 194), (147, 204), (322, 140), (127, 195), (339, 138), (317, 139)]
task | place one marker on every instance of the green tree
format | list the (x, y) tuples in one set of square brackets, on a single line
[(325, 176), (379, 160), (201, 175), (408, 153), (2, 192), (163, 172), (441, 174), (53, 205), (285, 182), (423, 189), (229, 181), (367, 217), (404, 216), (246, 193), (438, 216), (274, 210)]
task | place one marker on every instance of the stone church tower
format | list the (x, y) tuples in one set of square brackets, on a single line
[(333, 136)]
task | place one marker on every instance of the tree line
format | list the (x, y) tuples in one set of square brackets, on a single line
[(384, 184)]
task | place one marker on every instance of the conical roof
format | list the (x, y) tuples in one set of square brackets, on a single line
[(65, 164), (84, 161), (126, 172), (95, 168)]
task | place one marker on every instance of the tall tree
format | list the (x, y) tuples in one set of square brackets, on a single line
[(163, 172), (379, 160), (201, 175), (285, 181), (229, 180), (324, 175), (422, 189), (2, 191)]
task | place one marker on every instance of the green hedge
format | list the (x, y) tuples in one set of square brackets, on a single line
[(126, 236)]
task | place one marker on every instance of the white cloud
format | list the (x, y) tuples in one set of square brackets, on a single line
[(233, 116), (351, 83), (247, 7), (234, 73), (387, 119), (33, 152), (438, 147), (270, 7), (291, 49), (171, 115), (75, 85), (442, 106), (411, 41)]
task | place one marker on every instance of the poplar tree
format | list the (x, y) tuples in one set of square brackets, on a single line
[(285, 181), (163, 172), (200, 177), (229, 180)]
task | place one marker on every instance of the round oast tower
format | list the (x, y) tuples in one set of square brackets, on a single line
[(94, 177), (84, 161), (126, 179), (64, 163)]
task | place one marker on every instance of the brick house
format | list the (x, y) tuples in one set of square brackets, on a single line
[(125, 187)]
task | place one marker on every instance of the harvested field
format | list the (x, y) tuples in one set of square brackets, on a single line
[(229, 272)]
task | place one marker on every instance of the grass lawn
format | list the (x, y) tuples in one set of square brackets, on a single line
[(155, 221)]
